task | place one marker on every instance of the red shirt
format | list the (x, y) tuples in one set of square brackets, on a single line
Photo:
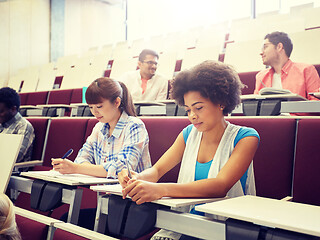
[(299, 78)]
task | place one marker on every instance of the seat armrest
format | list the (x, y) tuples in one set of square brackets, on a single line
[(28, 164), (287, 198)]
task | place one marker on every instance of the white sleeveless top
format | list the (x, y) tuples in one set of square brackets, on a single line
[(222, 155)]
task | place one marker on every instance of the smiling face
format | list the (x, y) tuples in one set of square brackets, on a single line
[(148, 66), (202, 113), (107, 112), (270, 53)]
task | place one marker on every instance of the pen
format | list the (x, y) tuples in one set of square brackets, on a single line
[(68, 153), (127, 163)]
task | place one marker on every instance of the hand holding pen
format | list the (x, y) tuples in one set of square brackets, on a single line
[(63, 165), (128, 166)]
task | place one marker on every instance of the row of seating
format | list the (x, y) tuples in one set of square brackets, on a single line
[(285, 163), (75, 95), (77, 73), (66, 96)]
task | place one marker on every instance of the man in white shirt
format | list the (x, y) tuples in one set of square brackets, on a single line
[(144, 84)]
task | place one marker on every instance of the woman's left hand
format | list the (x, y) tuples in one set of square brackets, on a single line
[(142, 191)]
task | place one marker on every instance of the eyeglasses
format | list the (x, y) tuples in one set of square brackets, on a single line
[(150, 63), (265, 46)]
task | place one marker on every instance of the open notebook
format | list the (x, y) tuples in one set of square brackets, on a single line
[(9, 149), (271, 90)]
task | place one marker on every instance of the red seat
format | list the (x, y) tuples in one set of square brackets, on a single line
[(249, 79), (30, 229), (273, 161), (23, 98), (76, 96), (64, 133), (40, 128), (60, 234), (91, 123), (162, 134), (37, 98), (60, 96), (306, 179)]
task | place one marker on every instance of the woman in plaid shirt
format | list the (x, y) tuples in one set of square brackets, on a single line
[(119, 136)]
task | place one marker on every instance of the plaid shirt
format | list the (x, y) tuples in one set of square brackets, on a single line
[(129, 140), (21, 126)]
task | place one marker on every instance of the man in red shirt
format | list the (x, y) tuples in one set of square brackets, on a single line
[(299, 78)]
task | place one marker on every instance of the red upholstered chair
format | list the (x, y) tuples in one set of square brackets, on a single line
[(60, 96), (31, 229), (249, 79), (64, 133), (37, 98), (306, 179), (76, 96), (40, 128), (23, 201), (273, 161), (60, 234), (162, 133), (23, 98), (91, 123)]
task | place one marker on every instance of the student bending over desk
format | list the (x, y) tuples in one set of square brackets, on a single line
[(214, 153), (117, 138)]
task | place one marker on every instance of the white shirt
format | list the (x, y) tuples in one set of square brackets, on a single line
[(276, 81), (157, 86)]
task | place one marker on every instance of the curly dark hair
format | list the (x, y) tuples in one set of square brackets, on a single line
[(9, 97), (214, 80)]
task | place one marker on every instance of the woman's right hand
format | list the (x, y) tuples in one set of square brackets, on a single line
[(124, 179)]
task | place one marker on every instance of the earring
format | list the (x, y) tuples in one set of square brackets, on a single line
[(221, 107)]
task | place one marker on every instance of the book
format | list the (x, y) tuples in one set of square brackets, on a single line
[(271, 91), (69, 179)]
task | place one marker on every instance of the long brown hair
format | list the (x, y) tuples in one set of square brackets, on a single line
[(107, 88)]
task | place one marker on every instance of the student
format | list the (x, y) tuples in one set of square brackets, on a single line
[(299, 78), (118, 137), (214, 153), (8, 226), (145, 84), (11, 122)]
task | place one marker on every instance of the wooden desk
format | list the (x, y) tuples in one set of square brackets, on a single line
[(268, 212)]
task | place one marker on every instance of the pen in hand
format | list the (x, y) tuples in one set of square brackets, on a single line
[(127, 163), (68, 153)]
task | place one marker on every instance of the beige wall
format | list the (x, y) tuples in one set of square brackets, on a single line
[(24, 35), (25, 31), (92, 23)]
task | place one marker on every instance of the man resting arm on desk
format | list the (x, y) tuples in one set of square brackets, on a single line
[(299, 78)]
